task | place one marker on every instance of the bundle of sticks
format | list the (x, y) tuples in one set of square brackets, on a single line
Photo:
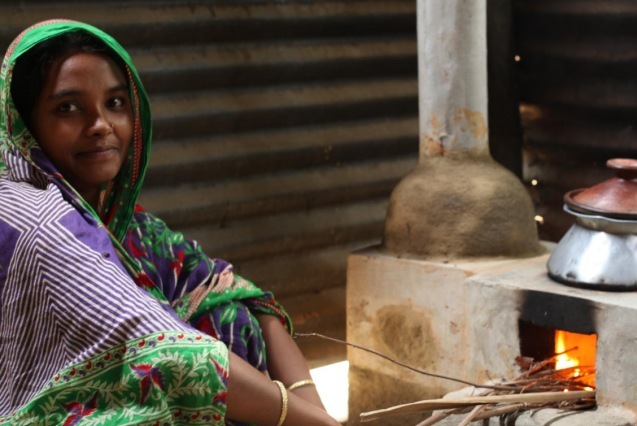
[(539, 386)]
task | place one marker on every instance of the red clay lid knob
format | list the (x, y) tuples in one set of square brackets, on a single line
[(624, 168)]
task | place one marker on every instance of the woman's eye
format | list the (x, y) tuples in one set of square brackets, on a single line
[(67, 108), (115, 102)]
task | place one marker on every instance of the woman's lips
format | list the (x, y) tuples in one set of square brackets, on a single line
[(98, 154)]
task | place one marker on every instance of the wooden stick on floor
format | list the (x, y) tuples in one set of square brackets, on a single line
[(440, 404)]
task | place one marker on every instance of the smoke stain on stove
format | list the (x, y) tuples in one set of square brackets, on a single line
[(405, 333), (542, 313), (558, 311)]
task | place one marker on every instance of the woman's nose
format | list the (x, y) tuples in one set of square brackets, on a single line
[(98, 124)]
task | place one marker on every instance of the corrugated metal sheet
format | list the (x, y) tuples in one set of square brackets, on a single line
[(578, 95), (280, 129), (282, 126)]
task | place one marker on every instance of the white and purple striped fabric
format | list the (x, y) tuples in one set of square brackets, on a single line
[(64, 295)]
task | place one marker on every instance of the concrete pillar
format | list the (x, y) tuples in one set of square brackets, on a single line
[(452, 74), (458, 202)]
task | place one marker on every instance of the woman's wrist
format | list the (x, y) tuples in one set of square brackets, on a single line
[(300, 384), (284, 402)]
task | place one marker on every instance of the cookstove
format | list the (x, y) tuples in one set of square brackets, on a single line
[(428, 299), (471, 320)]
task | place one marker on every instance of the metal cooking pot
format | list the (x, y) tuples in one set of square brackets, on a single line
[(600, 249)]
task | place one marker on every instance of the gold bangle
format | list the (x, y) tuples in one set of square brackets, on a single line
[(301, 383), (284, 402)]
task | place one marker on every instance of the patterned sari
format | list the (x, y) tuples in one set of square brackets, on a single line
[(108, 317)]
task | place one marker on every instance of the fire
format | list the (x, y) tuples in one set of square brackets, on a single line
[(576, 355)]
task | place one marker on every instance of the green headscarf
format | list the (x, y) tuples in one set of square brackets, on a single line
[(119, 195)]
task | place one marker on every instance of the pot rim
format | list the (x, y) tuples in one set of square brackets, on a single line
[(569, 199), (615, 197), (603, 223)]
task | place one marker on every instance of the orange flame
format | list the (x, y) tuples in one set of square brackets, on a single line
[(579, 357)]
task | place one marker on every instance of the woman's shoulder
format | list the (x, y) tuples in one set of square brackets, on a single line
[(146, 220), (20, 201), (146, 225), (31, 191)]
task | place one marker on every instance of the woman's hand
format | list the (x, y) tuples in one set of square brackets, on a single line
[(254, 398), (285, 360)]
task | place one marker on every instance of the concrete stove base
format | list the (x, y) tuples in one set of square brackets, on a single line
[(461, 320)]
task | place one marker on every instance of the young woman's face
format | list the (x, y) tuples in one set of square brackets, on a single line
[(83, 120)]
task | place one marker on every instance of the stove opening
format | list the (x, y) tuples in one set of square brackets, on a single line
[(571, 354)]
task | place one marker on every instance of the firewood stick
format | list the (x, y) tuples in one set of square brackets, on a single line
[(492, 412), (469, 418), (435, 418), (440, 416), (439, 404), (499, 411)]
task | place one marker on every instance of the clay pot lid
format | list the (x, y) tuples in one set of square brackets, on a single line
[(615, 197)]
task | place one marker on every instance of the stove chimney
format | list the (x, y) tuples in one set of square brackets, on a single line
[(458, 202)]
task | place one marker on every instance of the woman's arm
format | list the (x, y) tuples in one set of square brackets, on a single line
[(285, 360), (254, 398)]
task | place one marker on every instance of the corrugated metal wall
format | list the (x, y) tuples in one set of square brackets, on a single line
[(282, 126), (280, 129), (578, 95)]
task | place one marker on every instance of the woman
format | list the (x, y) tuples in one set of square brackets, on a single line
[(108, 317)]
